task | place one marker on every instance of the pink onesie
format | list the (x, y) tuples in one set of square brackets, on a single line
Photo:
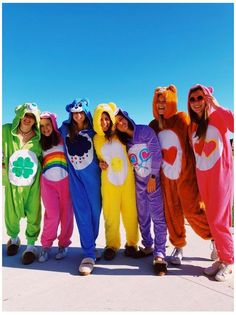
[(214, 169)]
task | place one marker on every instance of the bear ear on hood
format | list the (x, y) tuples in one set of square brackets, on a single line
[(113, 106), (172, 88)]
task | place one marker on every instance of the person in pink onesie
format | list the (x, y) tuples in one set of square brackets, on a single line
[(55, 192), (209, 135)]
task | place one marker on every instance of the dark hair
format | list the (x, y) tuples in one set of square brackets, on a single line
[(122, 136), (202, 123), (109, 133), (50, 141), (73, 128)]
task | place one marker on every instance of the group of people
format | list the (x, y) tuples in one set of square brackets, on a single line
[(180, 166)]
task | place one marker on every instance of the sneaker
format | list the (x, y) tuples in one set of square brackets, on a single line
[(62, 252), (12, 246), (176, 256), (86, 266), (29, 255), (212, 270), (224, 272), (44, 255), (214, 254), (130, 251), (109, 253)]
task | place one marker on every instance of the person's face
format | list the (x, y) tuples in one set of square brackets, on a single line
[(122, 123), (79, 117), (28, 121), (161, 104), (105, 121), (197, 102), (46, 126)]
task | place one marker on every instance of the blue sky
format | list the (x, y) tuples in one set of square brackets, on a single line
[(53, 53)]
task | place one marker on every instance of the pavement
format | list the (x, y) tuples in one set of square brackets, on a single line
[(124, 284)]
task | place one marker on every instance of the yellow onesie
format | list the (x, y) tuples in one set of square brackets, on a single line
[(117, 183)]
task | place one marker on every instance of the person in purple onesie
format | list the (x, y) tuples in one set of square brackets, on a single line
[(145, 155)]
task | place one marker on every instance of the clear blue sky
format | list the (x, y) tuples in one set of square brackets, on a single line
[(53, 53)]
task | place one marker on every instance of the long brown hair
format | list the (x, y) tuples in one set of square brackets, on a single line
[(73, 129), (50, 141), (202, 123), (124, 137), (109, 133)]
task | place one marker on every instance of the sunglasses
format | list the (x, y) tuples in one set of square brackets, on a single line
[(198, 99)]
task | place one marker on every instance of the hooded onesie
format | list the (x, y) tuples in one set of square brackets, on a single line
[(144, 152), (117, 183), (55, 192), (84, 177), (179, 184), (214, 168), (23, 168)]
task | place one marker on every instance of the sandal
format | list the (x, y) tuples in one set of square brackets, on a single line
[(12, 248), (143, 252), (86, 266), (160, 266)]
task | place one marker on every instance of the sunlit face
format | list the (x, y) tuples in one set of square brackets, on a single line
[(122, 123), (46, 126), (161, 104), (197, 102), (28, 121), (79, 117), (105, 121)]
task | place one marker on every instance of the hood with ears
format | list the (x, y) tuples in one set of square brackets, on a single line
[(53, 117), (206, 90), (170, 94), (23, 109), (79, 105), (109, 108)]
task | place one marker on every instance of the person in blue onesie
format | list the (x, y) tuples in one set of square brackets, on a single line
[(84, 177)]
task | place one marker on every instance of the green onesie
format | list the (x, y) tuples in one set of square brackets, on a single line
[(23, 168)]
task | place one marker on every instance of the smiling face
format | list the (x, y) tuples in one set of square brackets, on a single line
[(46, 126), (197, 102), (161, 104), (79, 117), (105, 121), (122, 123), (27, 121)]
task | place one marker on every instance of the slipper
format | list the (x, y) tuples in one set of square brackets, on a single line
[(143, 252), (29, 256), (86, 266), (12, 248), (160, 266)]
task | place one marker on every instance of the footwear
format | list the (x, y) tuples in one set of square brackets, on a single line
[(86, 266), (109, 253), (160, 266), (44, 254), (213, 269), (224, 272), (62, 253), (98, 254), (29, 255), (214, 254), (130, 251), (143, 252), (176, 256), (13, 246)]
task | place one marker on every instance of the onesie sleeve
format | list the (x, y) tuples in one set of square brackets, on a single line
[(227, 117)]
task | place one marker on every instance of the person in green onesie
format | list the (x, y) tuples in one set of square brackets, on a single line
[(21, 160)]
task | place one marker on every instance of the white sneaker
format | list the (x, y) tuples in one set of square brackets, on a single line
[(214, 254), (44, 255), (176, 256), (213, 269), (62, 252), (86, 266), (224, 272)]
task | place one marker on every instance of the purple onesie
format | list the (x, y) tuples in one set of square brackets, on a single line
[(145, 155)]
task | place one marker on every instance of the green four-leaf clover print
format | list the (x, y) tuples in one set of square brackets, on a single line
[(23, 167)]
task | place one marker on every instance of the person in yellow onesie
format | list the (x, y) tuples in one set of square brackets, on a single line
[(117, 184)]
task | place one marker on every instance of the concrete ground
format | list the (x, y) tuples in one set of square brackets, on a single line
[(124, 284)]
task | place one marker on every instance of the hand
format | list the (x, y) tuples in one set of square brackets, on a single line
[(151, 185), (103, 165), (211, 102)]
